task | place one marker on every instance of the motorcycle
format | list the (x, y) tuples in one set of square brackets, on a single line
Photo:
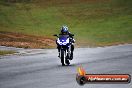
[(63, 41)]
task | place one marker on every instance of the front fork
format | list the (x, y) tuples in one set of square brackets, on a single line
[(67, 52)]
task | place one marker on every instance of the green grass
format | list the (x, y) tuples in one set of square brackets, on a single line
[(4, 52), (93, 23)]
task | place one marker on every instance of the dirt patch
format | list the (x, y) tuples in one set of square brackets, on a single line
[(25, 41)]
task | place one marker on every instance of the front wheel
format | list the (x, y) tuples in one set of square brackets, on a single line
[(62, 57)]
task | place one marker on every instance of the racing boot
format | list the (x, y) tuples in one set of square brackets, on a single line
[(59, 55), (67, 62), (71, 56), (72, 49)]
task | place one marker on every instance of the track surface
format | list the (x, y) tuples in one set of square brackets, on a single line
[(41, 68)]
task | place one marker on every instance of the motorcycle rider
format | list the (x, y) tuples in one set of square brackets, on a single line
[(64, 31)]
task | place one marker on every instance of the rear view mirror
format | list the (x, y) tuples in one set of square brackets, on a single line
[(55, 35), (72, 34)]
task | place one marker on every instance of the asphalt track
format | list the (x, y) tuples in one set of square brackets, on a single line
[(41, 68)]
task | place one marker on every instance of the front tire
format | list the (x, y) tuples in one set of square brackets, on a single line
[(62, 57)]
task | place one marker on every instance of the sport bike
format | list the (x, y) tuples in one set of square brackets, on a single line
[(64, 44)]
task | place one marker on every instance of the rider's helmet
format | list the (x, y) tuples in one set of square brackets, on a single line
[(64, 30)]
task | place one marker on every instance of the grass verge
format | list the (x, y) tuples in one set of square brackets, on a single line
[(5, 52), (94, 22)]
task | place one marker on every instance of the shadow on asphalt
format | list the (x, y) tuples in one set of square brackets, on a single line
[(71, 65)]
